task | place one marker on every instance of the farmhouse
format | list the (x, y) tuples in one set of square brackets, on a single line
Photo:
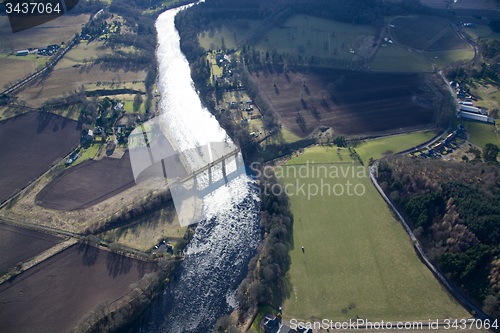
[(118, 106)]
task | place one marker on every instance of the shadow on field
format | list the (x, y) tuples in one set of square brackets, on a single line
[(118, 264), (90, 254)]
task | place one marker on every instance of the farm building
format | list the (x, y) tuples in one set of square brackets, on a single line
[(469, 108), (90, 135), (475, 116), (466, 103), (22, 53)]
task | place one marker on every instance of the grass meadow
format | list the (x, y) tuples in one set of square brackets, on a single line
[(356, 255), (480, 133), (391, 57), (393, 144), (425, 33), (147, 231), (233, 34), (311, 36), (478, 32), (444, 58)]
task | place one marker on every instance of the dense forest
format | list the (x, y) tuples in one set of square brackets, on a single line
[(454, 212)]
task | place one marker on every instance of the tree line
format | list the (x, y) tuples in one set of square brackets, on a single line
[(453, 210)]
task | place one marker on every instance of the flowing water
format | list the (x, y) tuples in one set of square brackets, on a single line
[(216, 259)]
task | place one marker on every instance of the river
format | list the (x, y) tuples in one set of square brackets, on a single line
[(205, 286)]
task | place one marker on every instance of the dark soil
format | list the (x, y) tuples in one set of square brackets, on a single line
[(19, 244), (87, 184), (30, 144), (92, 182), (362, 102), (54, 295)]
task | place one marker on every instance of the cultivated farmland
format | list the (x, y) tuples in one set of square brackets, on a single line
[(94, 181), (31, 143), (87, 183), (54, 295), (351, 102), (357, 258), (20, 244)]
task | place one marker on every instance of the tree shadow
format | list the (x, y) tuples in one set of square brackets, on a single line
[(315, 113), (44, 119), (118, 264), (304, 104), (90, 254), (145, 267), (276, 90), (326, 106)]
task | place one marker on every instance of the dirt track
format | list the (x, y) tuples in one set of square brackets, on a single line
[(54, 295), (363, 102), (31, 143), (19, 244)]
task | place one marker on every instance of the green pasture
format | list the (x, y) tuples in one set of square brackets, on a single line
[(311, 36), (263, 311), (444, 58), (233, 34), (480, 133), (89, 153), (128, 105), (147, 231), (427, 33), (393, 57), (488, 94), (478, 32), (356, 254), (378, 148)]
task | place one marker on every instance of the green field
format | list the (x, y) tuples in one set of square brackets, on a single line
[(393, 57), (488, 93), (311, 36), (426, 33), (147, 231), (378, 148), (480, 133), (88, 153), (232, 33), (444, 58), (264, 310), (478, 32), (356, 254)]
